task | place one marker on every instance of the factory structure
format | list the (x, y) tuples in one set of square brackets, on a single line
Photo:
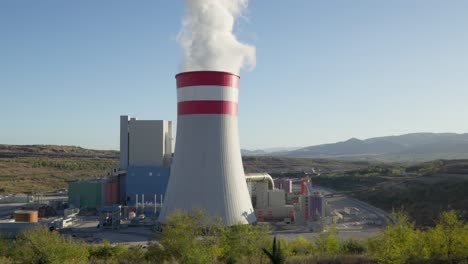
[(146, 149), (203, 171), (200, 169)]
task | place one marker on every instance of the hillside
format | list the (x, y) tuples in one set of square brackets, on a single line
[(41, 168), (417, 147), (54, 151), (298, 166), (423, 190)]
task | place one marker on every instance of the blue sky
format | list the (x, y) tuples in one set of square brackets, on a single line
[(326, 70)]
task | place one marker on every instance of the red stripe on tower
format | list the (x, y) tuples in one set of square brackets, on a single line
[(207, 107), (185, 79), (207, 155), (207, 92)]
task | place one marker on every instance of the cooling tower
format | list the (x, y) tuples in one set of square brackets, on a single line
[(207, 170)]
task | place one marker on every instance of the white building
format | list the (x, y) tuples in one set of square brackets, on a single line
[(145, 142)]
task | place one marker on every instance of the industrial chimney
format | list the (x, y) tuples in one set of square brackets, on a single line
[(207, 171)]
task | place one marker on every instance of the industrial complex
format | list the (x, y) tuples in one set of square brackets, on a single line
[(204, 172), (201, 169)]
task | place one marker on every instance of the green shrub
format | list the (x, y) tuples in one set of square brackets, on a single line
[(448, 240), (398, 243), (243, 242), (328, 244), (299, 247), (188, 238), (276, 255), (353, 246), (106, 251), (40, 245)]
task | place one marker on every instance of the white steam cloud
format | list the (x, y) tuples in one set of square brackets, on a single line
[(208, 40)]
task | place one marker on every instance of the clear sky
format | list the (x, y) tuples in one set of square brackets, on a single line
[(326, 70)]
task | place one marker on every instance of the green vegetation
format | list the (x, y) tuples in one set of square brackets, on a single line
[(54, 151), (189, 238), (402, 243), (42, 168), (196, 238), (424, 190), (19, 175), (64, 164), (106, 253), (42, 246), (288, 167), (276, 254)]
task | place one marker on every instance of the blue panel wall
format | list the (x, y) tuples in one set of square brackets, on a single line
[(146, 180)]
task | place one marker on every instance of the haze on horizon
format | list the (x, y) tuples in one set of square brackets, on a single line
[(326, 71)]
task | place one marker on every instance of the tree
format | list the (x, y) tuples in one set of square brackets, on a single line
[(243, 241), (353, 246), (300, 246), (5, 246), (328, 243), (189, 238), (449, 239), (107, 252), (39, 245), (398, 243), (276, 255)]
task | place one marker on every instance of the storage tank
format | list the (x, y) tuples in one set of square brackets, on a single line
[(207, 171), (28, 216)]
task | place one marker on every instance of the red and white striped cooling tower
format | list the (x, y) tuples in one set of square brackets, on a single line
[(207, 170)]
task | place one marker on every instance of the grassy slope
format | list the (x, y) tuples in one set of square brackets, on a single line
[(422, 190), (423, 198), (54, 151), (40, 168), (44, 174), (278, 165)]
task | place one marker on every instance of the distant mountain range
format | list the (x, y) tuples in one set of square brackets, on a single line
[(414, 147), (261, 152)]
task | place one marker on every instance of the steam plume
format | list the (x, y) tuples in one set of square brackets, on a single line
[(208, 40)]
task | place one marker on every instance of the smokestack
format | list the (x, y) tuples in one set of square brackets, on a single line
[(207, 171)]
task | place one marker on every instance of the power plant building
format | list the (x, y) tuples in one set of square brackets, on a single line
[(93, 193), (146, 148), (284, 184), (145, 142)]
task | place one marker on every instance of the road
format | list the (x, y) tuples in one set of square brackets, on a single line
[(348, 228), (346, 201)]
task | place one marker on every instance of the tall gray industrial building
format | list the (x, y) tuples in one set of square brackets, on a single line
[(146, 148)]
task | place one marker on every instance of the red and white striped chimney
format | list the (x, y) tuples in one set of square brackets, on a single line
[(207, 171)]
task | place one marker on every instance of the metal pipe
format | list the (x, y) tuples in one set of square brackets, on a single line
[(252, 177)]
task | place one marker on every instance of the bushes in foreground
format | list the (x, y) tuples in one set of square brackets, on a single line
[(42, 246), (196, 238), (447, 242)]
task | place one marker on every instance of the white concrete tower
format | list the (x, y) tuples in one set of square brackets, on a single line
[(207, 171)]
